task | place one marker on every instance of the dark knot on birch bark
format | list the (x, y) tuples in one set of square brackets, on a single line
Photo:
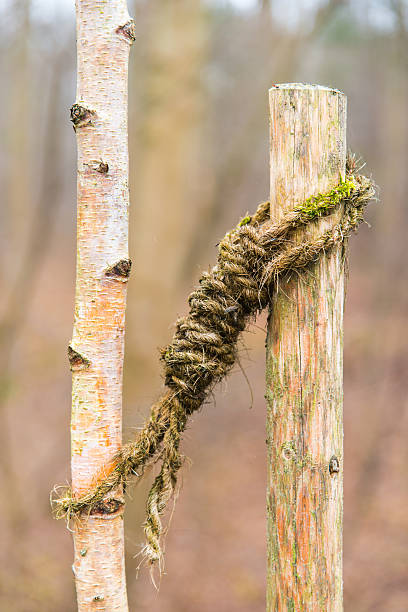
[(76, 360), (81, 116), (128, 30), (99, 166), (108, 506), (120, 270)]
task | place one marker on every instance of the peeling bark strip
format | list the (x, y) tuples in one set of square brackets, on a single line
[(305, 366), (102, 219)]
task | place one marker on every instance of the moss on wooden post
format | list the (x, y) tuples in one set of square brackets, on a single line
[(305, 365)]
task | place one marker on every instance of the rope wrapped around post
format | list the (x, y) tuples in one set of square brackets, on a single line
[(251, 260)]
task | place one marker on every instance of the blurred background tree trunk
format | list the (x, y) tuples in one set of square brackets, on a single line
[(169, 185), (19, 129)]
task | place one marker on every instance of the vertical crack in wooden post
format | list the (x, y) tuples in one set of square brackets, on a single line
[(97, 348), (305, 365)]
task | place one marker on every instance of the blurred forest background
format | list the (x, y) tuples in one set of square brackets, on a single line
[(199, 76)]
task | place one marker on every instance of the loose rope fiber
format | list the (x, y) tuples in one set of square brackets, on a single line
[(251, 259)]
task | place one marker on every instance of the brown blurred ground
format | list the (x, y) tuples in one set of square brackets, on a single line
[(199, 159)]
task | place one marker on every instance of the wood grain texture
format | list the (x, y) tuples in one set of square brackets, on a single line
[(305, 365), (104, 35)]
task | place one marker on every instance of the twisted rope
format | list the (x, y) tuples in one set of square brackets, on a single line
[(251, 259)]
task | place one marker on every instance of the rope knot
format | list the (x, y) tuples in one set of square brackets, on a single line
[(251, 259)]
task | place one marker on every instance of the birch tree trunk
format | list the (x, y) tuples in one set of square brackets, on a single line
[(305, 366), (104, 35)]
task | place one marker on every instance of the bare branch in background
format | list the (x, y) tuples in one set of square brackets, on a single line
[(400, 9), (265, 5)]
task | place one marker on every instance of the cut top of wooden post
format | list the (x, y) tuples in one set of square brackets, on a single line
[(308, 144), (305, 363)]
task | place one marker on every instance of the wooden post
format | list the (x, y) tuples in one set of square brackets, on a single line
[(305, 365), (104, 35)]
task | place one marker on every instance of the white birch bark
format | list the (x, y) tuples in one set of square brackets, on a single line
[(104, 35)]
